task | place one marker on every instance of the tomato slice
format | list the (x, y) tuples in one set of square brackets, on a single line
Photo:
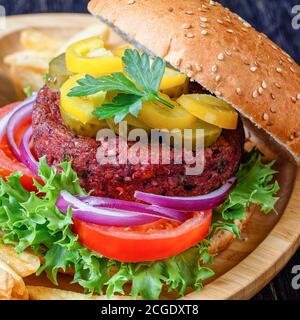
[(159, 240), (8, 163)]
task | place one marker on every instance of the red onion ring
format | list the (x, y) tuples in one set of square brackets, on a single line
[(22, 113), (101, 216), (198, 203), (25, 152), (108, 203)]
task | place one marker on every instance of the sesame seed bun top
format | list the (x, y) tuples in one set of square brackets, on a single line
[(220, 51)]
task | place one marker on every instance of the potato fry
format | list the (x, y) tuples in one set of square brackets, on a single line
[(43, 293), (34, 40), (24, 264), (91, 31), (27, 68), (12, 285), (31, 59)]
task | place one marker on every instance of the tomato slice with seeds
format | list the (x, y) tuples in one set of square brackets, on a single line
[(159, 240), (8, 163)]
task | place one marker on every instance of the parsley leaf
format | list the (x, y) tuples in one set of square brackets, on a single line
[(147, 76), (122, 105), (141, 72), (117, 82)]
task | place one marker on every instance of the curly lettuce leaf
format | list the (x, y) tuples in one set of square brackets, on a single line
[(255, 185)]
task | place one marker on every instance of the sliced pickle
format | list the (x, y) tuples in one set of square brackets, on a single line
[(210, 109), (77, 112), (89, 129), (58, 73), (132, 123), (158, 116), (174, 83)]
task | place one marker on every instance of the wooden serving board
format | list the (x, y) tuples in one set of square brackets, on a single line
[(268, 241)]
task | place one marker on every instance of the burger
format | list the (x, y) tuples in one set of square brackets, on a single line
[(139, 226)]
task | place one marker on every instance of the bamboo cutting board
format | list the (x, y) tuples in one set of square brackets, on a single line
[(267, 243)]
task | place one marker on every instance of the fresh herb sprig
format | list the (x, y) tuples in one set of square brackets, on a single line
[(141, 84)]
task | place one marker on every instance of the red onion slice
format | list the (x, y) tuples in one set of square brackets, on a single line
[(101, 216), (108, 203), (22, 113), (198, 203), (25, 152)]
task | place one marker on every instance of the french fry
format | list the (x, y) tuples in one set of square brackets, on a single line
[(24, 264), (27, 68), (12, 285), (34, 40), (43, 293), (34, 60)]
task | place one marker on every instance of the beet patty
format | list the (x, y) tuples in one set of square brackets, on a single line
[(55, 141)]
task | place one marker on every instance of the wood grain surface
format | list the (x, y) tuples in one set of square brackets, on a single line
[(272, 17)]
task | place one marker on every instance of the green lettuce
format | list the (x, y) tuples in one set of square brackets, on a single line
[(32, 220), (255, 185)]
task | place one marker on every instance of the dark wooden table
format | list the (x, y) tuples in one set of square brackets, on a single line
[(273, 18)]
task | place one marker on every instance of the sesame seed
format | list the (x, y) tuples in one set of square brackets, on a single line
[(290, 60), (298, 96), (186, 26), (238, 91), (204, 6), (273, 109), (212, 3), (214, 68), (131, 2), (266, 117), (229, 31), (178, 62), (189, 35), (273, 96), (189, 12), (260, 90), (203, 25), (189, 66), (274, 47), (255, 94), (221, 56), (292, 69), (220, 21), (199, 68), (253, 69), (218, 93), (218, 78), (228, 52), (278, 85), (203, 19), (279, 70), (294, 100), (264, 84), (246, 24), (245, 30), (292, 137), (204, 32)]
